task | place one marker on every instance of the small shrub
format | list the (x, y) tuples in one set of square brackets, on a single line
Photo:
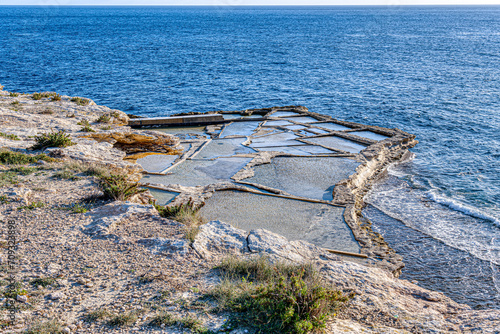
[(15, 103), (32, 206), (24, 170), (56, 97), (83, 122), (65, 174), (164, 318), (187, 214), (37, 96), (87, 129), (48, 327), (80, 101), (9, 136), (285, 299), (45, 282), (8, 178), (98, 314), (47, 111), (79, 208), (105, 128), (104, 119), (52, 139), (117, 187), (125, 319), (13, 94), (13, 290), (17, 158), (4, 199)]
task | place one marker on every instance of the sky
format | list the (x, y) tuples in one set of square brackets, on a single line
[(248, 2)]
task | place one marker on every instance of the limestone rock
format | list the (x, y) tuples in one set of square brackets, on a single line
[(274, 245), (217, 237), (166, 246), (56, 295), (134, 141), (105, 218)]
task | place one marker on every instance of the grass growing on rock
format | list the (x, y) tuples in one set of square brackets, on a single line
[(9, 136), (16, 158), (276, 298), (87, 128), (52, 139), (80, 101), (187, 214), (189, 322), (118, 187), (48, 327), (124, 319)]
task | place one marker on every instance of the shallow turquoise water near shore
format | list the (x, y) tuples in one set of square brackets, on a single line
[(432, 71)]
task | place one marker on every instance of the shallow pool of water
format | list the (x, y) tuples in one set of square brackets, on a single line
[(155, 163), (319, 224), (223, 148), (163, 197), (338, 143), (239, 129), (369, 135), (305, 177), (192, 173), (332, 126)]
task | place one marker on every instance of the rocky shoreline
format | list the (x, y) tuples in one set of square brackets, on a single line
[(123, 257)]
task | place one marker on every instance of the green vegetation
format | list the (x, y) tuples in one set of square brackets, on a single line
[(79, 208), (56, 97), (187, 214), (189, 322), (87, 129), (9, 136), (4, 199), (118, 187), (37, 96), (8, 178), (83, 122), (17, 158), (104, 119), (24, 170), (98, 314), (45, 282), (124, 319), (276, 298), (13, 290), (14, 103), (48, 327), (80, 101), (32, 206), (13, 94), (107, 127), (52, 139)]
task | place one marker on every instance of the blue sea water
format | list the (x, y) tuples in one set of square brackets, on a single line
[(432, 71)]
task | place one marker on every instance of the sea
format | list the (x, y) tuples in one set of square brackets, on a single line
[(433, 71)]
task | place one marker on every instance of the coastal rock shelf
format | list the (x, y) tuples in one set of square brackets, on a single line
[(291, 171)]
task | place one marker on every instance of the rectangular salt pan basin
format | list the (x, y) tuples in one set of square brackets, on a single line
[(277, 123), (278, 139), (319, 224), (283, 114), (243, 129), (223, 148), (312, 178), (155, 163), (332, 126), (192, 173), (303, 119), (338, 143), (369, 135), (163, 197)]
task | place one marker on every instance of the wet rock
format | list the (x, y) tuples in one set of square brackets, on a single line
[(218, 237)]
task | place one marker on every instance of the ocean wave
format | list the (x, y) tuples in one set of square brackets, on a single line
[(460, 207)]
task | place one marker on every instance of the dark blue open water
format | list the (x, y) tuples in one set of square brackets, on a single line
[(432, 71)]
